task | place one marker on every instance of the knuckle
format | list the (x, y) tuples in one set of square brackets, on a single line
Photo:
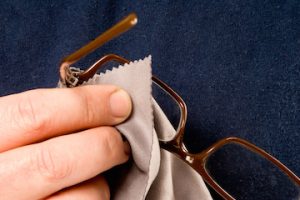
[(88, 107), (29, 115), (50, 167)]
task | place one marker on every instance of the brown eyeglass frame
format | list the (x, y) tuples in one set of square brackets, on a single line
[(72, 78)]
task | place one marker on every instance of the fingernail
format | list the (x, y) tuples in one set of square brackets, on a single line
[(127, 148), (120, 104)]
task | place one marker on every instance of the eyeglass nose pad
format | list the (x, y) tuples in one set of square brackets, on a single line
[(121, 27)]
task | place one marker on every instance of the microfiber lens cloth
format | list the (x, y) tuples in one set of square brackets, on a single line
[(153, 173)]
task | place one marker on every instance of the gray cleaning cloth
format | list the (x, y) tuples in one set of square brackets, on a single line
[(154, 174)]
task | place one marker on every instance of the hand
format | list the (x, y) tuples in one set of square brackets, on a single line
[(41, 159)]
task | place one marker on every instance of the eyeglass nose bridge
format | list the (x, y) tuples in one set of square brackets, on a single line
[(121, 27)]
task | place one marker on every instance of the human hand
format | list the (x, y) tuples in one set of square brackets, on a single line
[(41, 159)]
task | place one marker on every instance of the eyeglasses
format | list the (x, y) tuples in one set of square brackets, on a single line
[(216, 155)]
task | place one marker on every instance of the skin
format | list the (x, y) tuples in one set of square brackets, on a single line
[(55, 143)]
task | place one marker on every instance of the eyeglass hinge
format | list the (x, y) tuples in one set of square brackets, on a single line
[(72, 76)]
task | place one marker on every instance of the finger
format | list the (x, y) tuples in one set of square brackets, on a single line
[(40, 114), (95, 189), (60, 162)]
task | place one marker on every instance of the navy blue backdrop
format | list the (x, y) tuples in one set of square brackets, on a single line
[(234, 62)]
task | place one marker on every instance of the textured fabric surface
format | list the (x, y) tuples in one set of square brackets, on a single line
[(234, 62), (175, 180)]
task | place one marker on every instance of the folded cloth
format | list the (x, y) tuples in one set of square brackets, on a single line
[(153, 174)]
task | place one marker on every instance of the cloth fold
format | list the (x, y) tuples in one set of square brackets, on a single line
[(154, 174)]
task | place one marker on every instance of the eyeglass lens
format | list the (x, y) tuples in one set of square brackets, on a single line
[(168, 105), (247, 175)]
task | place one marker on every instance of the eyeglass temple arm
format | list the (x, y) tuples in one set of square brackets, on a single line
[(121, 27)]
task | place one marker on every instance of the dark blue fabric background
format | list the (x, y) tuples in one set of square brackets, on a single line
[(235, 63)]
